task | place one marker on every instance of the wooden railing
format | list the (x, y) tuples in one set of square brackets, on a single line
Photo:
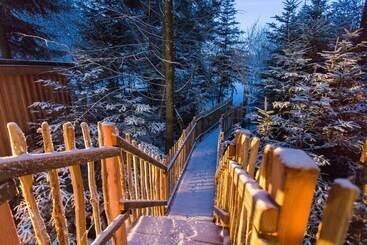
[(271, 204), (128, 171), (180, 153), (134, 182)]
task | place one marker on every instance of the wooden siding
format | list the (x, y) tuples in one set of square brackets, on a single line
[(19, 89)]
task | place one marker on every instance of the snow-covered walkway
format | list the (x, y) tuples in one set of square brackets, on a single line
[(195, 195), (190, 218)]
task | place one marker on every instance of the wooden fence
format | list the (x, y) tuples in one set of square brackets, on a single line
[(271, 204), (141, 178), (134, 181), (19, 89)]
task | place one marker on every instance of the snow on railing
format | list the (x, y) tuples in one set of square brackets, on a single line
[(271, 204)]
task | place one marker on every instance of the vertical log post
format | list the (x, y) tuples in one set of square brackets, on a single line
[(58, 213), (338, 212), (254, 150), (19, 147), (112, 184), (94, 196), (292, 187), (78, 187)]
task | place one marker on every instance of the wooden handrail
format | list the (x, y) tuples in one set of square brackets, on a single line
[(108, 233), (27, 164), (174, 158), (126, 146)]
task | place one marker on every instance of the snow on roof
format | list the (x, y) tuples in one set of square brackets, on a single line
[(295, 158), (345, 183)]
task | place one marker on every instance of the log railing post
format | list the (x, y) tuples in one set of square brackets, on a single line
[(78, 187), (338, 212), (19, 147), (112, 183), (292, 187), (94, 196), (58, 213)]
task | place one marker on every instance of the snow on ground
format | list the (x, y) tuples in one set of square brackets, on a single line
[(195, 195), (174, 230)]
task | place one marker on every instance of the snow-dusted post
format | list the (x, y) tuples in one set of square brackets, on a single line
[(338, 212), (19, 147), (58, 213), (242, 149), (94, 196), (112, 183), (293, 182), (78, 187)]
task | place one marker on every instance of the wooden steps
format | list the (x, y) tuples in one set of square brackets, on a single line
[(174, 230)]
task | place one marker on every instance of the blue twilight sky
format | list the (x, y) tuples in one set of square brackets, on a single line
[(251, 11)]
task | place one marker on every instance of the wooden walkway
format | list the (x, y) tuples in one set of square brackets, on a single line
[(195, 195), (190, 217)]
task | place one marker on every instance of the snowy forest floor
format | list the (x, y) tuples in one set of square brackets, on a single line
[(195, 195)]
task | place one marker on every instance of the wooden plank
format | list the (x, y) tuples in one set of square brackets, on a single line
[(27, 164), (254, 150), (338, 213), (78, 187), (8, 231), (19, 147), (58, 213), (257, 209), (104, 174), (292, 187), (94, 195), (113, 185), (265, 171)]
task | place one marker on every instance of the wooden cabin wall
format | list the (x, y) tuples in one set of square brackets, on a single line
[(19, 89)]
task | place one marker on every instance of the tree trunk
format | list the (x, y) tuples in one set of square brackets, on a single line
[(169, 71), (4, 44), (364, 23)]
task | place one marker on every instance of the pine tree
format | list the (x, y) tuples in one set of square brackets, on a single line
[(315, 28), (19, 37), (339, 93), (345, 14), (286, 28), (194, 23), (227, 37), (287, 86)]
